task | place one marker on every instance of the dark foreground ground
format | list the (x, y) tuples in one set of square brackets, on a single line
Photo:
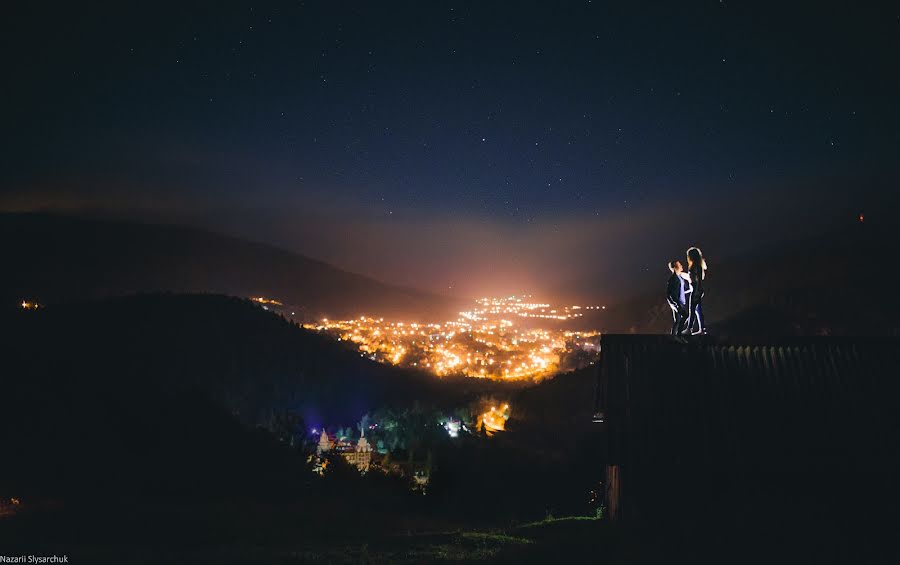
[(287, 537), (540, 542), (586, 539)]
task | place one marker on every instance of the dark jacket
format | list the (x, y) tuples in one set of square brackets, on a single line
[(677, 290), (696, 272)]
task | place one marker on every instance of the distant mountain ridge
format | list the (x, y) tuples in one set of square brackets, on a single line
[(56, 258)]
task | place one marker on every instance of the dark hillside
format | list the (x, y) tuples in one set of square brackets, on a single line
[(169, 417), (251, 362)]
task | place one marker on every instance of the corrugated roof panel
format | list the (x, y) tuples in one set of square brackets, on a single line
[(711, 411)]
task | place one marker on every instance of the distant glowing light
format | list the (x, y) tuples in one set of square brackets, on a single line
[(452, 426), (263, 300), (495, 420)]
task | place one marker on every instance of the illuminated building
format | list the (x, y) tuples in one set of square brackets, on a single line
[(452, 426), (359, 455)]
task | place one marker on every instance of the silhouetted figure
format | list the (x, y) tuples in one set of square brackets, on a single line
[(678, 292), (697, 272)]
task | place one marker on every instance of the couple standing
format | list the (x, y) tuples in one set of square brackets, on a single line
[(684, 292)]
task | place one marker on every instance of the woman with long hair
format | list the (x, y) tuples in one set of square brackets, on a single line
[(697, 271)]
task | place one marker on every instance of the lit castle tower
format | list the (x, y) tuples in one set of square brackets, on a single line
[(363, 444), (362, 457), (325, 443)]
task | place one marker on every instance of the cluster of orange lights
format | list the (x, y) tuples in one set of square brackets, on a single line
[(494, 420), (266, 301), (485, 341)]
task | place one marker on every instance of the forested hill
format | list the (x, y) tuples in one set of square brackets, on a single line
[(52, 258), (122, 420), (252, 362), (168, 416)]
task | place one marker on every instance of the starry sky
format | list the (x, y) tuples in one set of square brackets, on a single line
[(460, 147)]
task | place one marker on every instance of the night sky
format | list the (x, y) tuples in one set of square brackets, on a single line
[(462, 147)]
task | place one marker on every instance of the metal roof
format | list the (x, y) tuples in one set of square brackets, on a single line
[(712, 427)]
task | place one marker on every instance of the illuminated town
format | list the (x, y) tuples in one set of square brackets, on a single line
[(499, 338)]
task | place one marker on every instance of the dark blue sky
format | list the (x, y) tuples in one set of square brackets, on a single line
[(483, 146)]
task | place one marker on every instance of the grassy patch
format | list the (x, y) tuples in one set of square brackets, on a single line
[(492, 537), (457, 547), (548, 521)]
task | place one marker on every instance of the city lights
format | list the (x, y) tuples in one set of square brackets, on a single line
[(489, 341), (266, 301)]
